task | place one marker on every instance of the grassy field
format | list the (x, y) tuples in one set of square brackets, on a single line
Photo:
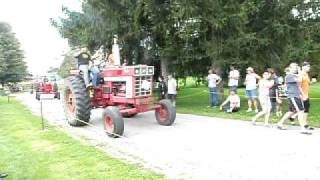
[(27, 152), (195, 101)]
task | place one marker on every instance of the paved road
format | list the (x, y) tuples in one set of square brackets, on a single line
[(199, 147)]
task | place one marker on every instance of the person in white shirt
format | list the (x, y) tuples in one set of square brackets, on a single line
[(234, 77), (232, 103), (265, 84), (251, 89), (213, 81), (172, 89)]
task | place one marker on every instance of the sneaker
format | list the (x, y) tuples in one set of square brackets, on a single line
[(306, 131), (256, 111), (267, 125), (308, 127), (280, 127), (249, 110), (229, 111)]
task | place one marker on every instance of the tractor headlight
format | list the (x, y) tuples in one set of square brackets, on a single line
[(136, 71), (143, 70), (150, 70)]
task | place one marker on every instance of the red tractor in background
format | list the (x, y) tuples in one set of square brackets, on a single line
[(46, 89), (123, 92)]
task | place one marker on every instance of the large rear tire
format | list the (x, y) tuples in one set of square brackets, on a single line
[(113, 122), (76, 101), (166, 114)]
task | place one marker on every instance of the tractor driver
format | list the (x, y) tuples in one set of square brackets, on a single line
[(97, 60), (83, 58)]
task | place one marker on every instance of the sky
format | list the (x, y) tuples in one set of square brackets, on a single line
[(41, 42)]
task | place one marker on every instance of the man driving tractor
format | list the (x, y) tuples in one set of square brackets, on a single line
[(83, 58)]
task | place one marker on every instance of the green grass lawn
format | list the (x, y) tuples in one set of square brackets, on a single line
[(27, 152), (195, 101)]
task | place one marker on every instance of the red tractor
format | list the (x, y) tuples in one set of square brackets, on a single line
[(123, 92), (46, 89)]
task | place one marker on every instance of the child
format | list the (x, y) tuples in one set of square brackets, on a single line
[(281, 95), (234, 103), (264, 97)]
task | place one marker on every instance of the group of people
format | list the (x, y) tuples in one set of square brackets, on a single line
[(268, 90)]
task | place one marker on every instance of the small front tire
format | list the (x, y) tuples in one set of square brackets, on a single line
[(113, 122)]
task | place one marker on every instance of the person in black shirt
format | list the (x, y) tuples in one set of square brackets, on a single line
[(162, 88), (83, 58)]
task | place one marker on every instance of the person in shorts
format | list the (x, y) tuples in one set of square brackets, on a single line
[(232, 103), (295, 99), (251, 89), (172, 89), (305, 86), (264, 97)]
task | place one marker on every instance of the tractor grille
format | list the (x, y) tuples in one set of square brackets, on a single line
[(143, 86)]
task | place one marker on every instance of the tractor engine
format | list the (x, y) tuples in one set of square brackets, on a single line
[(124, 85)]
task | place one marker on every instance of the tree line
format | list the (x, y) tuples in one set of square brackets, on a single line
[(12, 66), (190, 36)]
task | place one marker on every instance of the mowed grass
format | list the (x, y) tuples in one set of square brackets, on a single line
[(27, 152), (195, 101)]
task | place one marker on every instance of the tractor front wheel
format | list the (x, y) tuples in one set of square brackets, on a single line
[(166, 114), (113, 122)]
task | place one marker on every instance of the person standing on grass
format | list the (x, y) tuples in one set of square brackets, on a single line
[(162, 88), (172, 89), (305, 86), (293, 80), (251, 89), (213, 81), (234, 77), (264, 97), (234, 103)]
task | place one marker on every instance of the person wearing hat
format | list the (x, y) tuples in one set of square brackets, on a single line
[(251, 89)]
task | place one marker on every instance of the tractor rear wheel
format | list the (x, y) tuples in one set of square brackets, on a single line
[(166, 114), (113, 122), (76, 101)]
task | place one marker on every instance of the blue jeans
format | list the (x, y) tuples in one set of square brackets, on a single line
[(214, 97), (95, 74), (85, 71)]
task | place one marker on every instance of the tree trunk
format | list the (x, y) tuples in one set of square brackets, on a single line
[(164, 67)]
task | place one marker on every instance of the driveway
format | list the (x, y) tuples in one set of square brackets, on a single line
[(197, 147)]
